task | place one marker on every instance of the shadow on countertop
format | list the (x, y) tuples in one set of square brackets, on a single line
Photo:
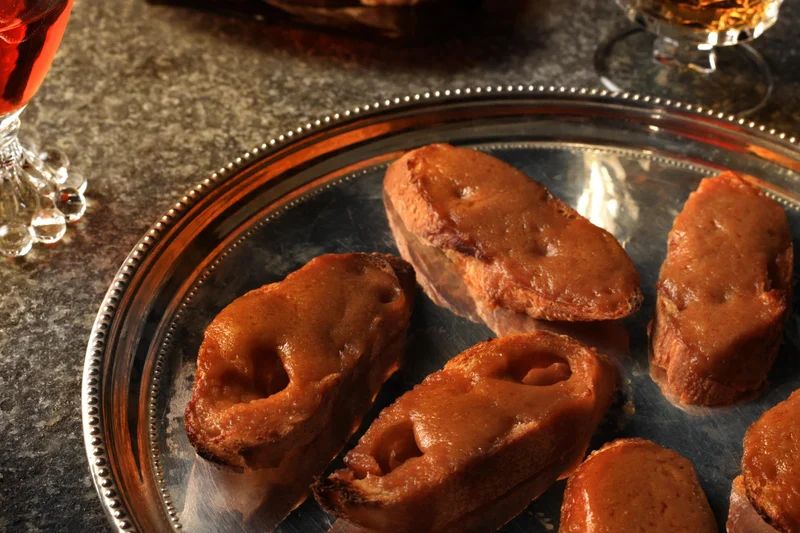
[(474, 34)]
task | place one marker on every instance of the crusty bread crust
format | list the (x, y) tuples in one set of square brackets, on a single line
[(442, 282), (496, 263), (742, 516), (747, 303), (478, 440), (670, 364)]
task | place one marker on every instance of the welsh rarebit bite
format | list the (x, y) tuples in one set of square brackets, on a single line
[(722, 294), (513, 243), (286, 372), (766, 497), (469, 448), (635, 486)]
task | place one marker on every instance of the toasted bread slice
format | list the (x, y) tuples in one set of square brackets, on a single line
[(512, 243), (274, 363), (635, 485), (723, 294), (286, 372), (440, 280), (770, 478), (473, 444), (742, 516)]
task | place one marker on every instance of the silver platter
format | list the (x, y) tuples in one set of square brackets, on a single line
[(625, 161)]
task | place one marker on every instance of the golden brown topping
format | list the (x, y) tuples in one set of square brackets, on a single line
[(287, 361), (514, 244), (771, 465), (501, 422), (635, 485), (722, 293)]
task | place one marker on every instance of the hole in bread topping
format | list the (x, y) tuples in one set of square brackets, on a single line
[(775, 273), (465, 192), (269, 374), (538, 370), (387, 294), (549, 375), (717, 295), (396, 446), (537, 248), (542, 248)]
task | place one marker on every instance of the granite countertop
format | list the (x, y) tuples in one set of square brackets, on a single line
[(147, 100)]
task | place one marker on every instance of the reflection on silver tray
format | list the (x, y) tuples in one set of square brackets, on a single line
[(627, 163)]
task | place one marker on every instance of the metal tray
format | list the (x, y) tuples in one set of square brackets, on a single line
[(625, 161)]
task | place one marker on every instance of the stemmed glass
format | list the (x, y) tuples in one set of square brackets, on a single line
[(685, 49), (39, 193)]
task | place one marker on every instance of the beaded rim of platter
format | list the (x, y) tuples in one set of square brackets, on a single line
[(91, 392)]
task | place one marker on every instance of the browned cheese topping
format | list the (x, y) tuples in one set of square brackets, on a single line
[(635, 485), (722, 293), (514, 242), (511, 412), (771, 465), (290, 360)]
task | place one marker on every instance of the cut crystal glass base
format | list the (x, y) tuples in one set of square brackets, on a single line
[(735, 79), (39, 192)]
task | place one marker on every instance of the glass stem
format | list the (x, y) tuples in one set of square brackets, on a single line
[(10, 148), (697, 57), (39, 194)]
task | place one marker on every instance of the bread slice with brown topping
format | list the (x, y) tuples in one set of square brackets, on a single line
[(723, 294), (473, 444), (636, 486), (286, 372), (514, 245), (766, 497)]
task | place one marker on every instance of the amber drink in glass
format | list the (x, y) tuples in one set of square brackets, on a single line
[(699, 48)]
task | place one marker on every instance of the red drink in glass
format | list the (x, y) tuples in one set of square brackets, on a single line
[(30, 33), (39, 191)]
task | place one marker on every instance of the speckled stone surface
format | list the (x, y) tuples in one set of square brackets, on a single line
[(148, 100)]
